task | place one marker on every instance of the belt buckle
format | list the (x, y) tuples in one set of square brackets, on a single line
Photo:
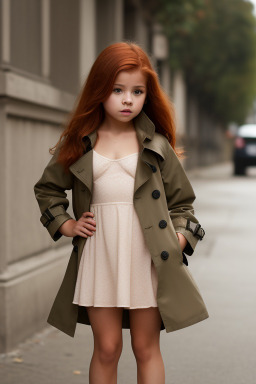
[(196, 230)]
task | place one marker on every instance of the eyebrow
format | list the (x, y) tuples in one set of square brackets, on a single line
[(135, 86)]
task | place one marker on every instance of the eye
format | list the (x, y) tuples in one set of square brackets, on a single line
[(138, 92), (117, 90)]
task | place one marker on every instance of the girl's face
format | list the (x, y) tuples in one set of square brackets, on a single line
[(127, 97)]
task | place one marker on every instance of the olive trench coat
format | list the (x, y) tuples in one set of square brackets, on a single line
[(162, 198)]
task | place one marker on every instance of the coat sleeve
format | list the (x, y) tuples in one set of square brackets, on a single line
[(51, 197), (180, 197)]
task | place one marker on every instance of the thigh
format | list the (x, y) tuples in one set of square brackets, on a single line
[(106, 323), (145, 325)]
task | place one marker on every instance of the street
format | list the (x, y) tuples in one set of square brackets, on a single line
[(220, 349)]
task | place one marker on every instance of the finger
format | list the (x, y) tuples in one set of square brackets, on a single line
[(91, 221), (85, 214), (90, 227), (80, 233), (88, 220), (87, 231)]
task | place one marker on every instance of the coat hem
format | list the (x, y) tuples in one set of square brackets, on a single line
[(168, 328), (187, 323), (62, 328)]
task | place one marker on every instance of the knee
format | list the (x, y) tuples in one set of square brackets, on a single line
[(109, 351), (142, 349)]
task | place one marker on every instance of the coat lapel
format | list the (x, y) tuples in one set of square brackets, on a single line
[(145, 130), (82, 169)]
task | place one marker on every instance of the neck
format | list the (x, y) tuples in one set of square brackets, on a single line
[(113, 126)]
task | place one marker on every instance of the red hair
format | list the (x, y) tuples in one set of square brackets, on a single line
[(88, 114)]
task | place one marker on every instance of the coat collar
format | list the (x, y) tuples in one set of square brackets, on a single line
[(145, 129)]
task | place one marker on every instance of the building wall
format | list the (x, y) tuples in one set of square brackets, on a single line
[(205, 140), (31, 115)]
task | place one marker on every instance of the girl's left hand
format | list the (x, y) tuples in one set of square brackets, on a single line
[(182, 240)]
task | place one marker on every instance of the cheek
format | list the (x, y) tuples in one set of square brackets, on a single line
[(108, 103), (142, 100)]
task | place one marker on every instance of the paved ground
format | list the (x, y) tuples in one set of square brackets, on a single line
[(220, 349)]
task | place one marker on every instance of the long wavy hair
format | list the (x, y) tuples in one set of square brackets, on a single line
[(88, 112)]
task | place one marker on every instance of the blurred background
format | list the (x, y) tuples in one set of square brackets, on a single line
[(204, 52)]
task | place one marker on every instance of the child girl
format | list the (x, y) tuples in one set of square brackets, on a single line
[(133, 216)]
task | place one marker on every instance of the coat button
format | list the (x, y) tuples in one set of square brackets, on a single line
[(156, 194), (164, 255), (152, 167), (75, 248), (162, 223)]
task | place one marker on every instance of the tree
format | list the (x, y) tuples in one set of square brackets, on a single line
[(214, 42)]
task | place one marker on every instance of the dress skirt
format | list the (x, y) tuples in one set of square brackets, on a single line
[(116, 269)]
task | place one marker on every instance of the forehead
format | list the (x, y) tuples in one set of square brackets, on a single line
[(135, 77)]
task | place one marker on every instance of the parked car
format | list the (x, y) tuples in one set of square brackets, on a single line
[(244, 154)]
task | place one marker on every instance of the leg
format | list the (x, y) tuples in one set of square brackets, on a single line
[(145, 337), (106, 323)]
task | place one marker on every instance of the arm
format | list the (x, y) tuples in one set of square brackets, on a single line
[(180, 197), (51, 197)]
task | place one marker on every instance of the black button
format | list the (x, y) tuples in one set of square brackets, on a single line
[(75, 248), (162, 223), (152, 167), (164, 255), (156, 194)]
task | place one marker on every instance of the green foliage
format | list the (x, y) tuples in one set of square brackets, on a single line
[(214, 42)]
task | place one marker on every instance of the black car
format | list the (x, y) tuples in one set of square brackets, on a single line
[(245, 148)]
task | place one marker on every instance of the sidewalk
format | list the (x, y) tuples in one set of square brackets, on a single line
[(48, 357), (52, 357)]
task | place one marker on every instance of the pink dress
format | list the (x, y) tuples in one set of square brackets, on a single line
[(116, 269)]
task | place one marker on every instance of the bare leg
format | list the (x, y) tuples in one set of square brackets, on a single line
[(106, 325), (145, 337)]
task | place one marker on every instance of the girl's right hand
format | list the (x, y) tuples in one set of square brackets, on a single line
[(84, 227)]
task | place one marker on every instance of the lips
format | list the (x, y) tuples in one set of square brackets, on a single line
[(126, 110)]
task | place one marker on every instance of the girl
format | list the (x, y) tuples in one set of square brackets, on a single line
[(133, 216)]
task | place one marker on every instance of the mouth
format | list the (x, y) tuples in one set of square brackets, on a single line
[(126, 111)]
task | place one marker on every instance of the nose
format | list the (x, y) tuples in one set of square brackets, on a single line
[(127, 99)]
